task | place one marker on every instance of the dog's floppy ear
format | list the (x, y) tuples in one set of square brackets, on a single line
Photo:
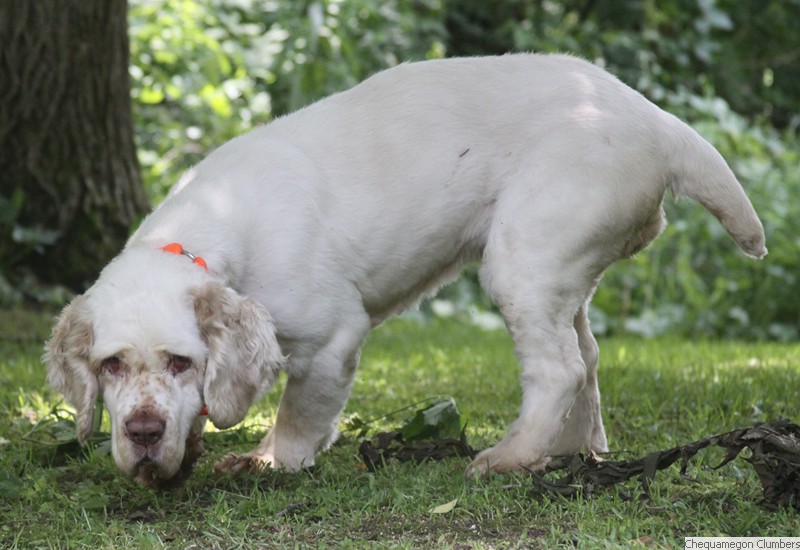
[(244, 357), (66, 355)]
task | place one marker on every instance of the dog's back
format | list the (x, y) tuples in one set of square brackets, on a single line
[(443, 143)]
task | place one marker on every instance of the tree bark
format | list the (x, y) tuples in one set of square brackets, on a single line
[(66, 133)]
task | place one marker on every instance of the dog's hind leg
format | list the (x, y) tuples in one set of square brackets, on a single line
[(583, 429), (539, 284)]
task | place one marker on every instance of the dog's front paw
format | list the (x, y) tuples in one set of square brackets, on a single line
[(251, 462), (499, 460)]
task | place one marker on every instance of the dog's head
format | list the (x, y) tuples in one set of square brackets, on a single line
[(161, 338)]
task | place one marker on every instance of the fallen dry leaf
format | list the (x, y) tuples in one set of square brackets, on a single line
[(774, 455)]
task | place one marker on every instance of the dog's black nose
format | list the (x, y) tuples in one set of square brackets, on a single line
[(145, 429)]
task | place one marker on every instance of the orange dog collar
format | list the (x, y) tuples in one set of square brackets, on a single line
[(177, 248)]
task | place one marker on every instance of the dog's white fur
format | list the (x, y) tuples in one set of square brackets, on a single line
[(330, 220)]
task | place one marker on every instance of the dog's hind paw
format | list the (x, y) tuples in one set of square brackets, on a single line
[(494, 460)]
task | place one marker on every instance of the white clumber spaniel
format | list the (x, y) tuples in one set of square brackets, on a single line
[(320, 225)]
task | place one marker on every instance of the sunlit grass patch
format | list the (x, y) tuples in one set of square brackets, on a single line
[(656, 394)]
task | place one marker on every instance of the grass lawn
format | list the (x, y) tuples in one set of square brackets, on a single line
[(656, 394)]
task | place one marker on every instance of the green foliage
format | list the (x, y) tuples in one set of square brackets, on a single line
[(439, 420)]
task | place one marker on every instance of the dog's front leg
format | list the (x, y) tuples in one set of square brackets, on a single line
[(317, 388)]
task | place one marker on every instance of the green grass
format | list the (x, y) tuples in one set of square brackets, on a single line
[(656, 394)]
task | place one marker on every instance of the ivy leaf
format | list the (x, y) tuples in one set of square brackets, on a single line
[(434, 433), (356, 424), (439, 420)]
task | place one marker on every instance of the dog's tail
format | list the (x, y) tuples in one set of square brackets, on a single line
[(699, 171)]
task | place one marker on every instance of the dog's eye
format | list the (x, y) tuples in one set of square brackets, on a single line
[(111, 365), (178, 364)]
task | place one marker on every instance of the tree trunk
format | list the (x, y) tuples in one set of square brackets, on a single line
[(66, 137)]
